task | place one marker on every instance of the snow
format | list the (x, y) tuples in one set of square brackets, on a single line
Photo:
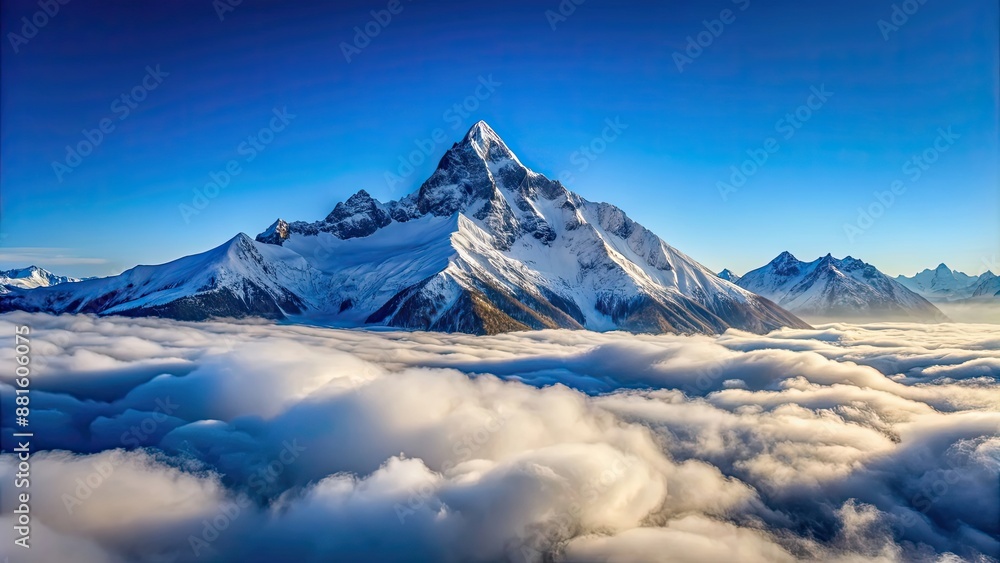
[(482, 218), (987, 286), (729, 276), (370, 270), (32, 277), (488, 145), (943, 284), (828, 286)]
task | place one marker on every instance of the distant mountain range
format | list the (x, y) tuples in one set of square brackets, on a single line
[(944, 285), (484, 246), (30, 278), (828, 288)]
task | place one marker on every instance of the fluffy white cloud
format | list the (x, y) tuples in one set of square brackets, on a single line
[(250, 441)]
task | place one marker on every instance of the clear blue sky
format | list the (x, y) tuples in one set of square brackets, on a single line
[(120, 205)]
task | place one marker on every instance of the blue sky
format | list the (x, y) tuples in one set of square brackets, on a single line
[(554, 83)]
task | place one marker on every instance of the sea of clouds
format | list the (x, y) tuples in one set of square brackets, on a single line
[(174, 442)]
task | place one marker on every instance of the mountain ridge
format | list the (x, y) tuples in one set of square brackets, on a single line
[(484, 245), (30, 277), (944, 285), (729, 276), (845, 288)]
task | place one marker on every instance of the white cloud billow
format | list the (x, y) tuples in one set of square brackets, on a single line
[(253, 442)]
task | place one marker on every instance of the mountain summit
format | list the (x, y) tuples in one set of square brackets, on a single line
[(987, 286), (485, 245), (941, 284), (729, 276), (30, 278), (487, 144), (842, 289)]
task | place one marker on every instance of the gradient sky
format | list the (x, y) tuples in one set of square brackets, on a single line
[(354, 120)]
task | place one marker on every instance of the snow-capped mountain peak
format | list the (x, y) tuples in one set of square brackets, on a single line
[(359, 216), (487, 144), (941, 284), (830, 287), (484, 245), (785, 264), (30, 278), (476, 176), (236, 279), (987, 286), (729, 276)]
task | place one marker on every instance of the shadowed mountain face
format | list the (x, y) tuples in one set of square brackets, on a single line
[(987, 285), (729, 276), (846, 289), (483, 246)]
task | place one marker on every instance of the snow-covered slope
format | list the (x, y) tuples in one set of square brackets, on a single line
[(987, 286), (729, 276), (240, 278), (941, 284), (486, 245), (483, 246), (829, 288), (30, 278)]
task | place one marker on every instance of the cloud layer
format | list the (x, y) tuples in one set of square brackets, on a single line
[(248, 442)]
